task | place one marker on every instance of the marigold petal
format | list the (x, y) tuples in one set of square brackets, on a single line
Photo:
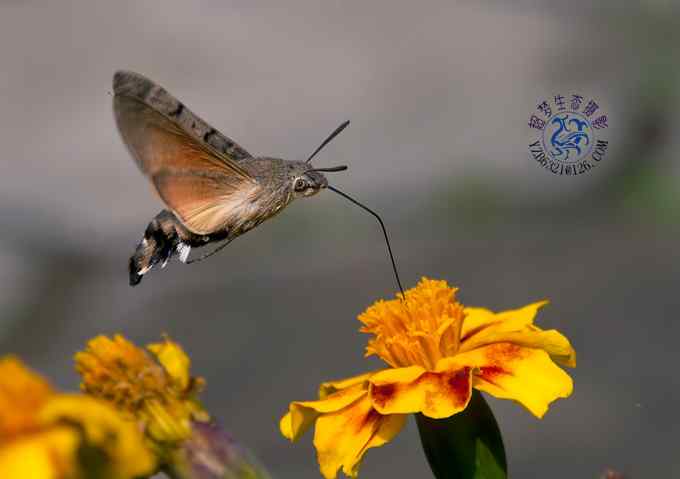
[(286, 426), (329, 387), (341, 438), (301, 414), (509, 371), (44, 455), (103, 428), (22, 393), (516, 327), (168, 422), (552, 342), (390, 426), (477, 319), (437, 394), (175, 361), (152, 386), (397, 375), (420, 329)]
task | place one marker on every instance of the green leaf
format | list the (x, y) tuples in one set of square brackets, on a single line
[(467, 445)]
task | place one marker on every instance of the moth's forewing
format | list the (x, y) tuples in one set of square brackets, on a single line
[(133, 85), (203, 186)]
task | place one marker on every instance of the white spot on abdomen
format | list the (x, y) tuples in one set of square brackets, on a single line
[(183, 250)]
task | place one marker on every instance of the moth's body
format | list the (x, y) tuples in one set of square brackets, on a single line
[(166, 235), (214, 189)]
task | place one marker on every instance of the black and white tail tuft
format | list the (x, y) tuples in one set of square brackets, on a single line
[(159, 244)]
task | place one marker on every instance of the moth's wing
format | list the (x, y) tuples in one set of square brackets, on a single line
[(205, 187), (134, 85), (206, 203)]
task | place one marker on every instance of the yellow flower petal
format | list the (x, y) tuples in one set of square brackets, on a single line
[(509, 371), (413, 389), (43, 455), (102, 428), (551, 341), (301, 414), (329, 387), (419, 330), (42, 433), (116, 369), (155, 389), (477, 319), (390, 426), (484, 327), (342, 437), (22, 394), (175, 361)]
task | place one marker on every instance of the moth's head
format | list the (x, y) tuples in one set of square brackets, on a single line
[(307, 181)]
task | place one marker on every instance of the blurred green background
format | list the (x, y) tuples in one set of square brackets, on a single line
[(439, 94)]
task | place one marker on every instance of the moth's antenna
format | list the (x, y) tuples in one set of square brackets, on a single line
[(382, 225), (332, 169), (327, 140)]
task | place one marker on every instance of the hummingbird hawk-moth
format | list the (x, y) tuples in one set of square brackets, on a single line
[(214, 190)]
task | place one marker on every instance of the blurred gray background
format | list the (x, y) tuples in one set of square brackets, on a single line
[(439, 94)]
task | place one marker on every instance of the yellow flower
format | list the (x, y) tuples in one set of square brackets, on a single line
[(152, 386), (47, 435), (22, 394), (437, 350)]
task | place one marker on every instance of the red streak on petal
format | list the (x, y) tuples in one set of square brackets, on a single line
[(382, 394), (459, 381), (491, 372), (459, 384), (500, 353), (372, 416)]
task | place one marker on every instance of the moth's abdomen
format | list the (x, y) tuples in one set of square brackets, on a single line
[(162, 238)]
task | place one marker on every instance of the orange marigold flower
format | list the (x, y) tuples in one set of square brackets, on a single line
[(437, 350), (153, 386), (43, 433)]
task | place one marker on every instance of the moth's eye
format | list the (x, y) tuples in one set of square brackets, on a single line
[(300, 184)]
